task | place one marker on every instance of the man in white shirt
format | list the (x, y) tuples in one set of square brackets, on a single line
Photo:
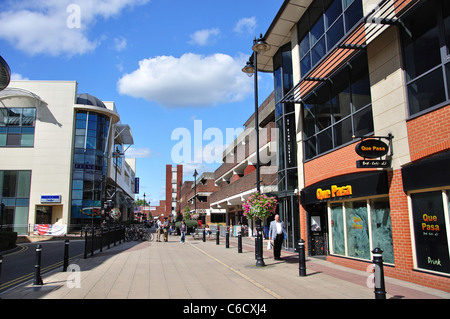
[(276, 236)]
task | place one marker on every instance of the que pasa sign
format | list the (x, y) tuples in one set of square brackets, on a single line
[(335, 191), (371, 148)]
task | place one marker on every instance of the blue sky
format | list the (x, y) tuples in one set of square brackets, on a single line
[(169, 65)]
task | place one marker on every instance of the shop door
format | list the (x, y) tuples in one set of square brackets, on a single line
[(318, 230), (288, 211)]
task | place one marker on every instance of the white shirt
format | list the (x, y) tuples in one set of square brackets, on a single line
[(279, 230)]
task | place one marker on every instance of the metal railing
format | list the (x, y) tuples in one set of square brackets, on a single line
[(98, 238)]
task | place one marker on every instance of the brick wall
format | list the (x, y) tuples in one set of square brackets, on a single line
[(429, 133), (336, 163)]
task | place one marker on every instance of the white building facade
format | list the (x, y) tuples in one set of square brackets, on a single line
[(56, 162)]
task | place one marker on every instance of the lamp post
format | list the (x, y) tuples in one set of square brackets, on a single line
[(145, 204), (259, 46), (195, 191)]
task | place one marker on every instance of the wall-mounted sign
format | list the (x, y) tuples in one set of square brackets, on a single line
[(346, 186), (373, 163), (371, 148), (136, 185), (334, 191), (50, 198)]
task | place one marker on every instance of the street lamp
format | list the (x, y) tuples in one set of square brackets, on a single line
[(145, 204), (259, 46), (195, 191)]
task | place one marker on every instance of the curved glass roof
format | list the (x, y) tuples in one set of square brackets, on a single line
[(87, 99)]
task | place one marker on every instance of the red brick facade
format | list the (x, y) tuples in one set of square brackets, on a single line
[(427, 135)]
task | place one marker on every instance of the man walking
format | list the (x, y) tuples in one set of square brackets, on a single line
[(276, 235)]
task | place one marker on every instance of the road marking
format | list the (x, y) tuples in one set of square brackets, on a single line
[(21, 279), (257, 284)]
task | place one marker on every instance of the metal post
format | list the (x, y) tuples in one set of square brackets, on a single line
[(1, 262), (227, 238), (380, 292), (37, 266), (66, 255), (217, 235), (258, 246), (301, 258), (239, 242), (85, 242), (204, 234)]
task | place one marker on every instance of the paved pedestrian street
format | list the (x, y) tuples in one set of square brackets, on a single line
[(204, 271)]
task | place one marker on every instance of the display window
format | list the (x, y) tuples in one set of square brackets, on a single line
[(430, 218), (359, 226)]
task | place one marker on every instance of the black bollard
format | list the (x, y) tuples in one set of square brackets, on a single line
[(227, 239), (379, 291), (66, 255), (37, 266), (204, 235), (217, 235), (239, 242), (301, 258)]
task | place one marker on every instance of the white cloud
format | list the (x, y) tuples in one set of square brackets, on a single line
[(191, 80), (18, 77), (246, 25), (142, 152), (56, 27), (204, 37), (120, 43)]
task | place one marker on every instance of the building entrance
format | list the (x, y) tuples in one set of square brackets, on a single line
[(43, 214), (317, 229)]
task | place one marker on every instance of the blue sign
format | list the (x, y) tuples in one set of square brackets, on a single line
[(136, 185), (50, 198)]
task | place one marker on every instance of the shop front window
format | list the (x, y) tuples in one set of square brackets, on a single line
[(430, 231), (357, 227), (15, 197), (337, 229)]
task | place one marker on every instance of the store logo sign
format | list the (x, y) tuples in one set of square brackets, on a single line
[(335, 191), (371, 148)]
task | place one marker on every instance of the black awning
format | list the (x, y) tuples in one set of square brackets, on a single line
[(431, 172)]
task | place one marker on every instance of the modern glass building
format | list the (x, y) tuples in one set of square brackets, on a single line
[(56, 157)]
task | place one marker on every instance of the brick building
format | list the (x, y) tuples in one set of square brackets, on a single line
[(366, 70), (174, 180), (200, 209), (236, 177)]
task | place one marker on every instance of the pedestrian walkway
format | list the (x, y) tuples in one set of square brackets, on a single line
[(205, 270)]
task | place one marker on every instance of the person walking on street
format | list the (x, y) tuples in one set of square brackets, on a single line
[(158, 230), (183, 229), (166, 229), (276, 234)]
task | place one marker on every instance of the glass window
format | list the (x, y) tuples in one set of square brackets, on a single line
[(343, 132), (335, 33), (353, 14), (425, 49), (337, 229), (358, 244), (338, 109), (380, 217), (17, 127), (333, 12), (432, 251), (426, 92)]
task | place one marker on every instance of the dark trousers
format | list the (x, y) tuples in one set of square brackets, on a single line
[(278, 241)]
